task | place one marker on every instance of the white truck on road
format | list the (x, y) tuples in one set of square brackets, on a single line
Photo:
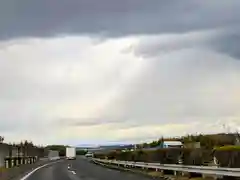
[(71, 153)]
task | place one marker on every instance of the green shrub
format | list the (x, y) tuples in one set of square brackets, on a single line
[(81, 152), (228, 156), (228, 148), (164, 156)]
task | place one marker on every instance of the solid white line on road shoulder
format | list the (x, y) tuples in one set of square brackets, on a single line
[(33, 171), (72, 175), (73, 172)]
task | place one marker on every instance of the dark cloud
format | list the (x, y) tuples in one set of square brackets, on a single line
[(112, 17), (228, 44), (88, 121), (182, 69), (118, 122), (224, 41)]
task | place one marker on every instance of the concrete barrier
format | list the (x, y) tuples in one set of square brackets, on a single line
[(15, 172), (15, 161), (4, 151), (14, 151)]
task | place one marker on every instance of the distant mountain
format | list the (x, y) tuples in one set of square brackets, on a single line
[(117, 146), (87, 145), (113, 146)]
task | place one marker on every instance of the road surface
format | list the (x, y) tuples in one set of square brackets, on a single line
[(81, 169)]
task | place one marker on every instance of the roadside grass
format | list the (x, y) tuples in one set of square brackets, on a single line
[(3, 169), (228, 148)]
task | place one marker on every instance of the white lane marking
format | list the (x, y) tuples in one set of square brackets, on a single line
[(73, 172), (72, 175), (33, 171)]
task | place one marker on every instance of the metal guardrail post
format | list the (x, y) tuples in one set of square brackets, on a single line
[(12, 162), (6, 163), (17, 161)]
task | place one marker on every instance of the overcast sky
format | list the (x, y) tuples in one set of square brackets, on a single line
[(90, 72)]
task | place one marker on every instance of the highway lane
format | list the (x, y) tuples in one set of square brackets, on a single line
[(81, 169), (55, 171)]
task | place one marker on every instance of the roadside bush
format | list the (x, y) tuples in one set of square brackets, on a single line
[(100, 155), (228, 156), (197, 156), (81, 152), (228, 148), (164, 156)]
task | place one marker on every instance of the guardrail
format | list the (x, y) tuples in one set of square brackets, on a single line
[(14, 171), (17, 161), (205, 170)]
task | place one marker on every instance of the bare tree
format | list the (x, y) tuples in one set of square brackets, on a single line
[(237, 138), (1, 139)]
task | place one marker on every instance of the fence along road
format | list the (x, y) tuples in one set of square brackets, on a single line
[(235, 172)]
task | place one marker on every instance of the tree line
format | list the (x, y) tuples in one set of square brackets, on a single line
[(24, 148), (208, 141)]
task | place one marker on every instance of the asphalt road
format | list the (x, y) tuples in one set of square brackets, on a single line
[(81, 169)]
